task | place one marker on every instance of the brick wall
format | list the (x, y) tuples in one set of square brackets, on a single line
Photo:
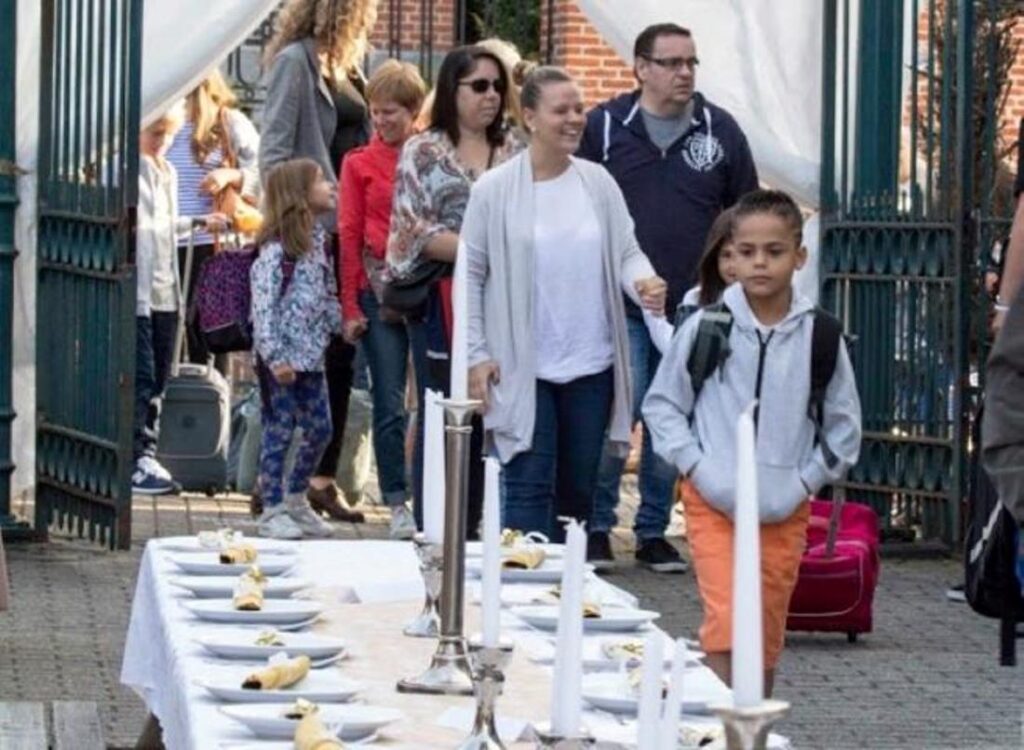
[(578, 47), (408, 15)]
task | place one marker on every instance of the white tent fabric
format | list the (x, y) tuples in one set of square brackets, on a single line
[(760, 60), (182, 41)]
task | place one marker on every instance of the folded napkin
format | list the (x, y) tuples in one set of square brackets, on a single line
[(249, 591), (523, 558), (278, 675), (311, 734), (591, 611), (238, 554)]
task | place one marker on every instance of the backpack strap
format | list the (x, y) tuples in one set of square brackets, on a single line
[(826, 334), (710, 346)]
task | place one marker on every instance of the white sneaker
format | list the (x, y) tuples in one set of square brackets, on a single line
[(305, 518), (403, 522), (275, 523), (155, 468)]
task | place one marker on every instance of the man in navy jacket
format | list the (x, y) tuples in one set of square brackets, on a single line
[(680, 161)]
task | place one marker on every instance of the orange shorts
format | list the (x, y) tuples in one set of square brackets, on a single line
[(710, 535)]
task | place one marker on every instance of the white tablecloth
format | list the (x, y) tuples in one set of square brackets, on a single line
[(162, 660)]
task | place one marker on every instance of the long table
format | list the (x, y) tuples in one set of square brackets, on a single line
[(370, 590)]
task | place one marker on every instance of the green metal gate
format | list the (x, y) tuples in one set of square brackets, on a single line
[(90, 96), (899, 244)]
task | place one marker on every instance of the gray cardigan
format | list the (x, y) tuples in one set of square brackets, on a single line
[(497, 242), (299, 118)]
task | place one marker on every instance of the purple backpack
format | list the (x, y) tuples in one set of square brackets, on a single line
[(222, 299)]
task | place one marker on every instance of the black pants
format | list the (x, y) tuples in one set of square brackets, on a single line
[(154, 352), (338, 367)]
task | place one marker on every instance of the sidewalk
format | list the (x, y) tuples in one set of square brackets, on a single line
[(926, 679)]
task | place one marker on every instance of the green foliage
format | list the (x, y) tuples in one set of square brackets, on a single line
[(516, 21)]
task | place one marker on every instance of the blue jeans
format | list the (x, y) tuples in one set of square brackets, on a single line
[(386, 346), (657, 476), (557, 476), (154, 351)]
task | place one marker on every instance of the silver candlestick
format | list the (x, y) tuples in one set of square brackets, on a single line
[(449, 672), (489, 664), (547, 740), (748, 728), (427, 623)]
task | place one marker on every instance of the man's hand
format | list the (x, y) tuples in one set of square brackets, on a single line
[(652, 293), (352, 330), (283, 374), (481, 377)]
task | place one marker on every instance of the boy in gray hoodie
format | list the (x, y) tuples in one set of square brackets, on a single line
[(768, 359)]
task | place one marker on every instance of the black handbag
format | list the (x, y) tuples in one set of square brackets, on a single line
[(408, 295)]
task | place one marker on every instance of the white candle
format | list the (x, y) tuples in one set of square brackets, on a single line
[(649, 714), (747, 649), (566, 697), (433, 467), (491, 578), (459, 383), (674, 702)]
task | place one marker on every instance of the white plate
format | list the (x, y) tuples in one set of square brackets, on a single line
[(612, 619), (319, 686), (550, 571), (209, 564), (611, 692), (275, 611), (263, 546), (552, 551), (541, 650), (357, 721), (240, 644), (223, 587)]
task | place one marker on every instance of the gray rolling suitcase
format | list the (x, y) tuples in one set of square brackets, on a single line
[(195, 421)]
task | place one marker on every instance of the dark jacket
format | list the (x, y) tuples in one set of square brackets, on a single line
[(673, 195)]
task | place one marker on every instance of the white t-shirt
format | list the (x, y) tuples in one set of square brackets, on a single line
[(571, 329), (164, 292)]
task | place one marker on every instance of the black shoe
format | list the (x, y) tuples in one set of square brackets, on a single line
[(660, 556), (599, 551)]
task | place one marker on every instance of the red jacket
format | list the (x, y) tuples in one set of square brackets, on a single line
[(364, 216)]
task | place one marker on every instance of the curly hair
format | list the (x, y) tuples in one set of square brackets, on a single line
[(340, 27)]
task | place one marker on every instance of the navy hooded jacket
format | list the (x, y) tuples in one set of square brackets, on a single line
[(676, 194)]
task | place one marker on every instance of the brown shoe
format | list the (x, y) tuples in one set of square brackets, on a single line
[(326, 501), (256, 502)]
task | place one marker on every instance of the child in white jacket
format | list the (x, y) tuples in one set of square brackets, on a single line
[(767, 358)]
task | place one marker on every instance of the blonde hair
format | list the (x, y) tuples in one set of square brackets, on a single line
[(205, 105), (340, 28), (398, 82), (171, 120), (287, 216)]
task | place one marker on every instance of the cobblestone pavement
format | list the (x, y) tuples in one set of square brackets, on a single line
[(926, 679)]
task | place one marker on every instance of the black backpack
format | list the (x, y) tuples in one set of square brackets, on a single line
[(990, 545), (711, 348)]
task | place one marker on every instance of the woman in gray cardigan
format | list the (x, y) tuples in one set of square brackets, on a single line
[(549, 247)]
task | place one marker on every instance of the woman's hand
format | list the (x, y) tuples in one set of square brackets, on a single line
[(352, 330), (216, 222), (283, 374), (652, 291), (220, 178), (481, 377)]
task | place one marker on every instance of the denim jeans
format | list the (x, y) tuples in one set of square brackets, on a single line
[(154, 352), (386, 346), (657, 476), (557, 476)]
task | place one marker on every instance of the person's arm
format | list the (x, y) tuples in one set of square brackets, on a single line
[(639, 279), (266, 280), (669, 404), (742, 171), (281, 111), (246, 144), (352, 237), (415, 228), (473, 243), (840, 429)]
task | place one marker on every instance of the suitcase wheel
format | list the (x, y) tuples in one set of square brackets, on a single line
[(851, 637), (211, 490)]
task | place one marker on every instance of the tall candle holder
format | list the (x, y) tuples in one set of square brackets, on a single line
[(449, 672), (427, 623), (748, 728), (489, 665)]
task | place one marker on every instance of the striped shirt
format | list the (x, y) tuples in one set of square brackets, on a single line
[(192, 202)]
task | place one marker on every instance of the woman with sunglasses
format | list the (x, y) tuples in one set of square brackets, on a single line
[(467, 136)]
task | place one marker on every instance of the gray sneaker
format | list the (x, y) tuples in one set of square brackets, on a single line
[(275, 523), (305, 518), (403, 522)]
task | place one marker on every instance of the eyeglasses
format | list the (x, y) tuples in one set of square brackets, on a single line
[(483, 85), (675, 64)]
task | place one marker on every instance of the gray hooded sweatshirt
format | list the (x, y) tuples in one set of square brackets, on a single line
[(701, 440)]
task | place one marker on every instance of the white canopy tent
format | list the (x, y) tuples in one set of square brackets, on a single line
[(761, 60)]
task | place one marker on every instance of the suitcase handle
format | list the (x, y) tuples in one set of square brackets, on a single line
[(838, 499)]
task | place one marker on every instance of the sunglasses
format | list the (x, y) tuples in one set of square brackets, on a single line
[(483, 85)]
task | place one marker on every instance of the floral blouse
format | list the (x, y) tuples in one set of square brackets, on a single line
[(431, 192)]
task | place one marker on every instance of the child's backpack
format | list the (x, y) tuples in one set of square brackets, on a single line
[(711, 348), (223, 299)]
